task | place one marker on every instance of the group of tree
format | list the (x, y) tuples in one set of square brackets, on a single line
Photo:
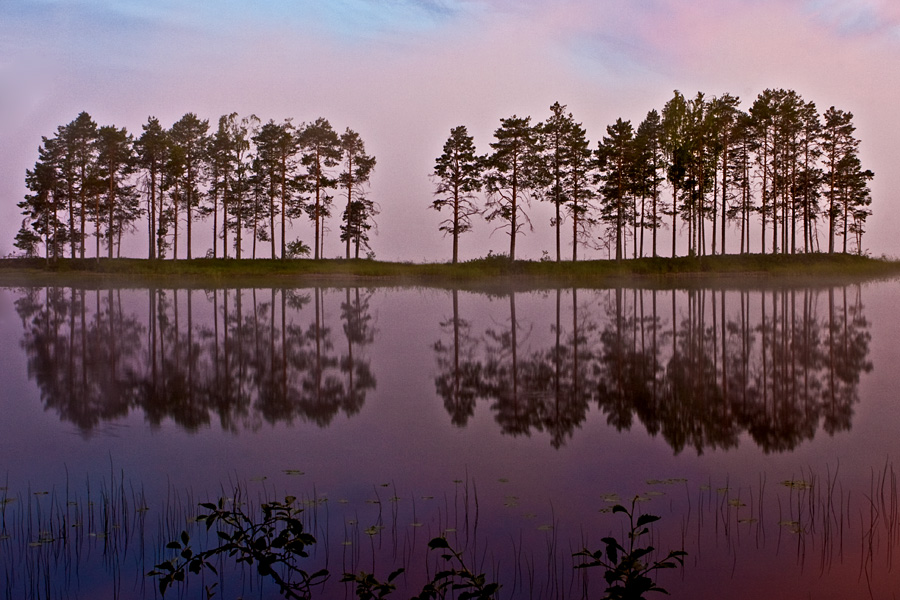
[(702, 164), (248, 177)]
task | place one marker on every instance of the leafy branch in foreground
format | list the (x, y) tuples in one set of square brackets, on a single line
[(459, 579), (273, 544), (626, 573)]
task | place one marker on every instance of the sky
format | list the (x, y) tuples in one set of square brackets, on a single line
[(402, 73)]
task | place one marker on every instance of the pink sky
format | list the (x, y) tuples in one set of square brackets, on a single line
[(403, 72)]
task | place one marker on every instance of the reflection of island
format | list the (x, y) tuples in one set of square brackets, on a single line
[(259, 356), (764, 363)]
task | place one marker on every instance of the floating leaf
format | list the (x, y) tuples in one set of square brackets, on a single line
[(293, 472), (797, 484), (610, 497), (792, 526)]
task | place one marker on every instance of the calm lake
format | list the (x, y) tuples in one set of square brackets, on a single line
[(758, 418)]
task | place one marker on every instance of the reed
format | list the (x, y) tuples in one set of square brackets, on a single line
[(99, 536)]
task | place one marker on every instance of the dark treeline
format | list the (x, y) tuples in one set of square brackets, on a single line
[(248, 179), (698, 167), (698, 367), (715, 175), (777, 365)]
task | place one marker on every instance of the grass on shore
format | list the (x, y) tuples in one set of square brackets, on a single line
[(472, 270)]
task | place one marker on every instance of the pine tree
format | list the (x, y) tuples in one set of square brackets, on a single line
[(116, 161), (188, 134), (320, 153), (724, 114), (649, 162), (79, 164), (615, 159), (276, 145), (41, 208), (150, 150), (220, 169), (840, 147), (511, 175), (459, 176), (675, 148), (354, 179)]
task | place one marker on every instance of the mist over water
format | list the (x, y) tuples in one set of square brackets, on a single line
[(757, 421)]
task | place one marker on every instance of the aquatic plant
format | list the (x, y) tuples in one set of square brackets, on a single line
[(627, 570), (274, 544)]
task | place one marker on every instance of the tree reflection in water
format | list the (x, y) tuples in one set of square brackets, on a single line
[(699, 367), (765, 363), (253, 359)]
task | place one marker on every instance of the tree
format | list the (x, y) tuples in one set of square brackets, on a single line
[(276, 145), (79, 162), (511, 173), (554, 134), (459, 174), (150, 150), (578, 183), (855, 198), (840, 147), (239, 197), (674, 117), (116, 162), (724, 114), (173, 184), (188, 134), (648, 165), (614, 161), (354, 177), (700, 171), (740, 163), (41, 207), (810, 176), (220, 168), (320, 152)]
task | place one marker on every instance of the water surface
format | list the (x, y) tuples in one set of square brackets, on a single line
[(509, 421)]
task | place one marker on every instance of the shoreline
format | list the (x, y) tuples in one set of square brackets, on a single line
[(490, 272)]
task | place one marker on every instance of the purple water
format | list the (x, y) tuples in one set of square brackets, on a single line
[(509, 421)]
